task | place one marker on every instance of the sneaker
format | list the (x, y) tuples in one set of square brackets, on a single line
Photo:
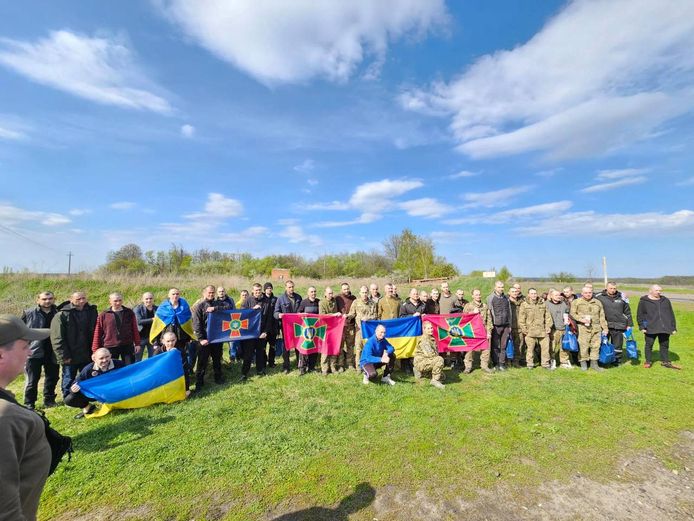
[(670, 365), (584, 366), (49, 404), (595, 367), (467, 370), (262, 373), (417, 374), (387, 380), (30, 406), (90, 409), (286, 371), (530, 367), (647, 365), (437, 384), (553, 365), (566, 366), (501, 368), (365, 380), (244, 378), (549, 367), (488, 370)]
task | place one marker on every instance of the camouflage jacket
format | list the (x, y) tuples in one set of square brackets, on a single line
[(515, 311), (327, 307), (361, 310), (482, 309), (580, 308), (534, 319), (426, 347), (388, 307)]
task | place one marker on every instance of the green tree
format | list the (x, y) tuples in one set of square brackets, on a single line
[(504, 274)]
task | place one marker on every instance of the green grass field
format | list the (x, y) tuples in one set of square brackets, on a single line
[(283, 442)]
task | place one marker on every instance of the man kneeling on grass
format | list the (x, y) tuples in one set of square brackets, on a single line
[(102, 363), (426, 357), (377, 353)]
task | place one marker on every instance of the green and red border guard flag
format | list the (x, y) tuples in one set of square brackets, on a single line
[(309, 333), (458, 332)]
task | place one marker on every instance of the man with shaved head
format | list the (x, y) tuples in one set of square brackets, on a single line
[(144, 313), (72, 332), (589, 315), (102, 362), (656, 320), (116, 329)]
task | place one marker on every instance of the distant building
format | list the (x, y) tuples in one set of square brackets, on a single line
[(282, 274), (489, 274)]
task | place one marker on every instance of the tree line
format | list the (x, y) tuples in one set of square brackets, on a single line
[(405, 256)]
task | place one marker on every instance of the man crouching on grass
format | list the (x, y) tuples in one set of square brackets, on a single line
[(102, 363), (377, 353)]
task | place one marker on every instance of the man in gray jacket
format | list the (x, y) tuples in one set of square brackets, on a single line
[(42, 355), (500, 311)]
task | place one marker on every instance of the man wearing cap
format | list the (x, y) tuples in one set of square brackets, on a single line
[(42, 355), (72, 331), (25, 456)]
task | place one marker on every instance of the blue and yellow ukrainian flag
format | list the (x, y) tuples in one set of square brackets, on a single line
[(155, 380), (402, 333), (166, 315)]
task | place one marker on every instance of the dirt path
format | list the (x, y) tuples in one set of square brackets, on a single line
[(643, 489)]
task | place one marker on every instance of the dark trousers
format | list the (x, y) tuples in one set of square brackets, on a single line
[(308, 362), (498, 348), (253, 349), (32, 370), (125, 353), (204, 354), (76, 400), (70, 372), (370, 369), (191, 354), (663, 341), (271, 342), (144, 346), (286, 363), (616, 338)]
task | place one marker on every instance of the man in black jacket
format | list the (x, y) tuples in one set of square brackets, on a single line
[(72, 331), (656, 319), (255, 347), (201, 310), (618, 316), (144, 313), (288, 302), (42, 355), (273, 323)]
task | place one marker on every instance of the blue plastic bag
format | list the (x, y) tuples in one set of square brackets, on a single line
[(510, 350), (631, 348), (569, 342), (279, 347), (607, 354)]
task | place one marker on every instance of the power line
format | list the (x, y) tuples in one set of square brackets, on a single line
[(29, 239)]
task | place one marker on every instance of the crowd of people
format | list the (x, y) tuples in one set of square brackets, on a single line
[(74, 336), (534, 322)]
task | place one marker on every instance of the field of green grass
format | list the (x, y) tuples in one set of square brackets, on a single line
[(282, 443)]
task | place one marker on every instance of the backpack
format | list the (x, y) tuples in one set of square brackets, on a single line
[(58, 443), (607, 354), (569, 342)]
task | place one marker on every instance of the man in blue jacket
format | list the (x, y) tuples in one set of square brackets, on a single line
[(377, 353)]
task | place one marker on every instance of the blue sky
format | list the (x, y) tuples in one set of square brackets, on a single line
[(540, 135)]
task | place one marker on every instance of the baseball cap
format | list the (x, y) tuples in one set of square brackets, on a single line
[(12, 328)]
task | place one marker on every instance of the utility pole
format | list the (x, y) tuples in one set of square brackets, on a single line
[(69, 263), (604, 270)]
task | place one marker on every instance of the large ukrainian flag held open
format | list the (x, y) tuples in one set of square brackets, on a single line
[(155, 380), (402, 333)]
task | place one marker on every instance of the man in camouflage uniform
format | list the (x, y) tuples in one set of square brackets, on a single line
[(477, 306), (426, 357), (535, 324), (590, 318), (344, 303), (328, 306), (514, 297), (362, 309), (388, 305)]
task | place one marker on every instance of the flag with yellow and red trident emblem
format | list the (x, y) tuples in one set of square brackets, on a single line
[(233, 324)]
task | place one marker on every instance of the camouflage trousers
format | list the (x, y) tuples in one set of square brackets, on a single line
[(555, 347), (484, 359), (518, 346), (358, 344), (328, 363), (588, 343), (346, 357), (530, 343), (432, 365)]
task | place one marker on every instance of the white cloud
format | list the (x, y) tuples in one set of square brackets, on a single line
[(99, 69), (425, 207), (494, 198), (463, 174), (312, 182), (306, 166), (79, 211), (548, 173), (217, 208), (123, 205), (602, 187), (11, 134), (611, 179), (516, 214), (243, 236), (686, 182), (295, 234), (333, 205), (11, 214), (188, 131), (559, 93), (591, 223), (289, 42)]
